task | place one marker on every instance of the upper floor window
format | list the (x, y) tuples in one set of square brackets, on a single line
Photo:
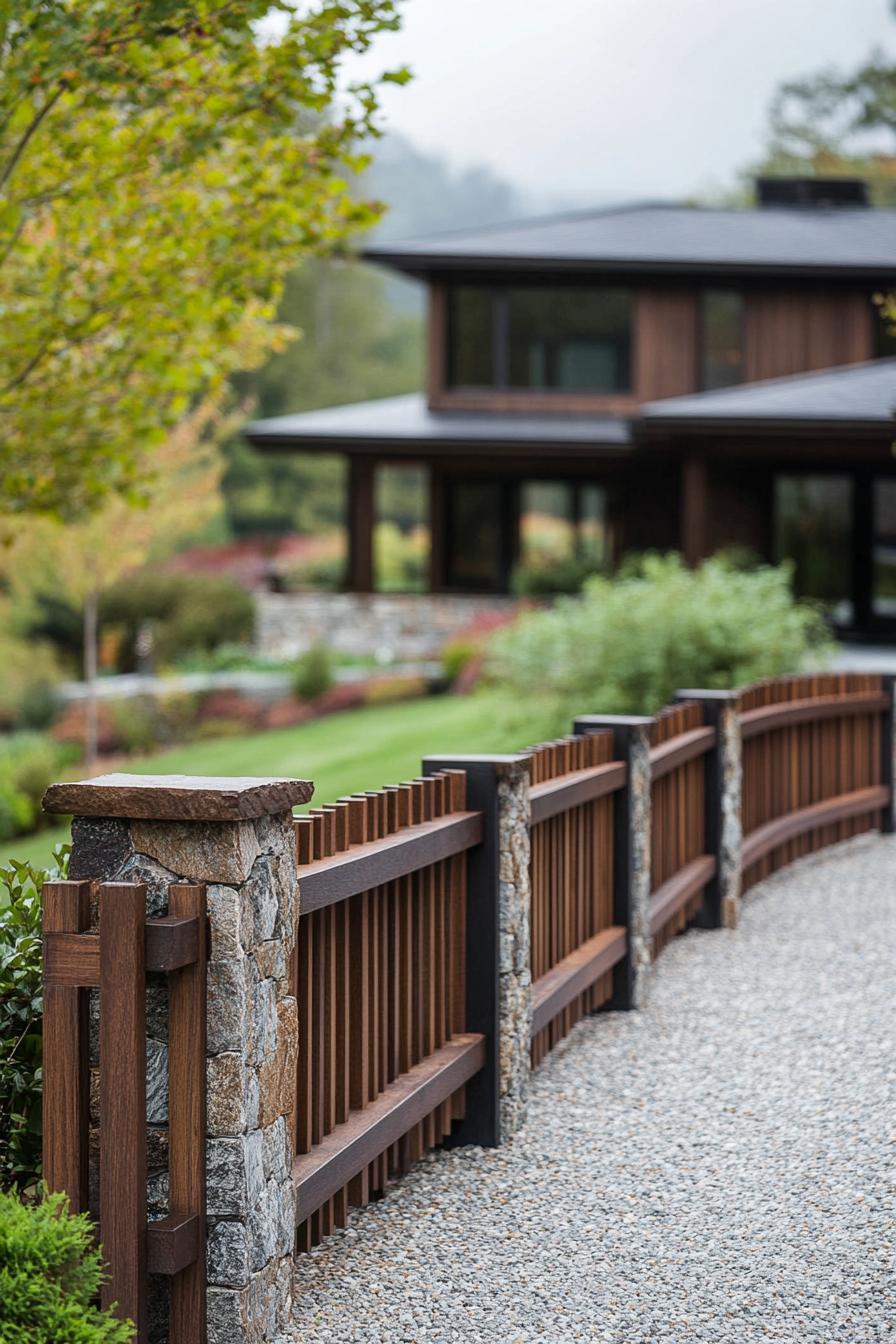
[(721, 338), (541, 338)]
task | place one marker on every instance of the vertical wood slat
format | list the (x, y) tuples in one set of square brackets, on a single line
[(123, 1098), (570, 877), (66, 909), (791, 768), (187, 1114)]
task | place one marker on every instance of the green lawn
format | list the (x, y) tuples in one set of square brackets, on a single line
[(343, 753)]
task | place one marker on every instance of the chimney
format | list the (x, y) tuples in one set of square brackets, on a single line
[(811, 193)]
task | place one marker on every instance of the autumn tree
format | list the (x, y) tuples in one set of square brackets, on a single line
[(79, 560), (163, 165)]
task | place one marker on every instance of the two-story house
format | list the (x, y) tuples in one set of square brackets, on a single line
[(609, 353)]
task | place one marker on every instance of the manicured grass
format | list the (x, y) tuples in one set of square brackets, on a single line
[(343, 753)]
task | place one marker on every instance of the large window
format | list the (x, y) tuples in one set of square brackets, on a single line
[(544, 338), (813, 530), (721, 338)]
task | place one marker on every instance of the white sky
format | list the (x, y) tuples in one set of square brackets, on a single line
[(588, 99)]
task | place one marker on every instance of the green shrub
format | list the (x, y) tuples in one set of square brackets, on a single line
[(313, 673), (21, 1006), (627, 644), (38, 706), (188, 613), (138, 725), (50, 1273), (456, 655), (28, 764), (30, 671), (401, 558), (549, 575)]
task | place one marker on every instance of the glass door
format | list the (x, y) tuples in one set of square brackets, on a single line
[(883, 550)]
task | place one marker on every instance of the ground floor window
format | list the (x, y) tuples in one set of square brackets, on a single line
[(813, 530), (883, 554), (529, 536), (401, 529), (562, 535)]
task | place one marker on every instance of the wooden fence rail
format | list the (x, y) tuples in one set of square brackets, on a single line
[(411, 916)]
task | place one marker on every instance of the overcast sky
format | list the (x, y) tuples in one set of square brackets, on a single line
[(589, 99)]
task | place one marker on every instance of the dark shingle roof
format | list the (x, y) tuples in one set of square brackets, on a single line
[(664, 237), (406, 423), (857, 396)]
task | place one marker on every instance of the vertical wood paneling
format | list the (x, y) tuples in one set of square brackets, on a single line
[(789, 332), (665, 354)]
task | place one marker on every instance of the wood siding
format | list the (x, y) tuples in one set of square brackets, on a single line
[(796, 332), (665, 343), (785, 332)]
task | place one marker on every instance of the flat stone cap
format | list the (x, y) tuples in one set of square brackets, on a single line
[(177, 797)]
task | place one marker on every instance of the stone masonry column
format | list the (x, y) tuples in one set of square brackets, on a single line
[(236, 836), (498, 960), (724, 832)]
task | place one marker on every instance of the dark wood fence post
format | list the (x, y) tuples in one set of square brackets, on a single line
[(631, 848), (721, 897), (497, 978), (218, 1070), (887, 748)]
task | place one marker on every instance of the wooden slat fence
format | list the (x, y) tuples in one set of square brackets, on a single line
[(680, 867), (397, 978), (574, 942), (379, 975), (815, 765), (115, 960)]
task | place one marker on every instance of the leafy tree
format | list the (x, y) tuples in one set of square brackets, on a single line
[(835, 123), (162, 168)]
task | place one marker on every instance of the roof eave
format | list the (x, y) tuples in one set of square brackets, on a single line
[(422, 266)]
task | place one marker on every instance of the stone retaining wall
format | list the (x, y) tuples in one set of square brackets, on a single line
[(400, 625)]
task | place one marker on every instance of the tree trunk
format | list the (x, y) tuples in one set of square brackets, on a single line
[(90, 668)]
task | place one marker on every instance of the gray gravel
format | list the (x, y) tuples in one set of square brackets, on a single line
[(718, 1167)]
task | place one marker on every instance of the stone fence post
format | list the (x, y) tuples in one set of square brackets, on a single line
[(724, 833), (498, 967), (631, 850), (235, 836)]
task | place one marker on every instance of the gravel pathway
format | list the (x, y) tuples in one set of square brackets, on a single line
[(718, 1167)]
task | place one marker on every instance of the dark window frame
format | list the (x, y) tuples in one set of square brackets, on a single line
[(500, 342)]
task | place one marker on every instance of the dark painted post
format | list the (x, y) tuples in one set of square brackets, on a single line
[(497, 970), (721, 897), (887, 746), (631, 848)]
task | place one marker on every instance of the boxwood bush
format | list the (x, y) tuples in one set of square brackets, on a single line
[(50, 1273), (628, 643)]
